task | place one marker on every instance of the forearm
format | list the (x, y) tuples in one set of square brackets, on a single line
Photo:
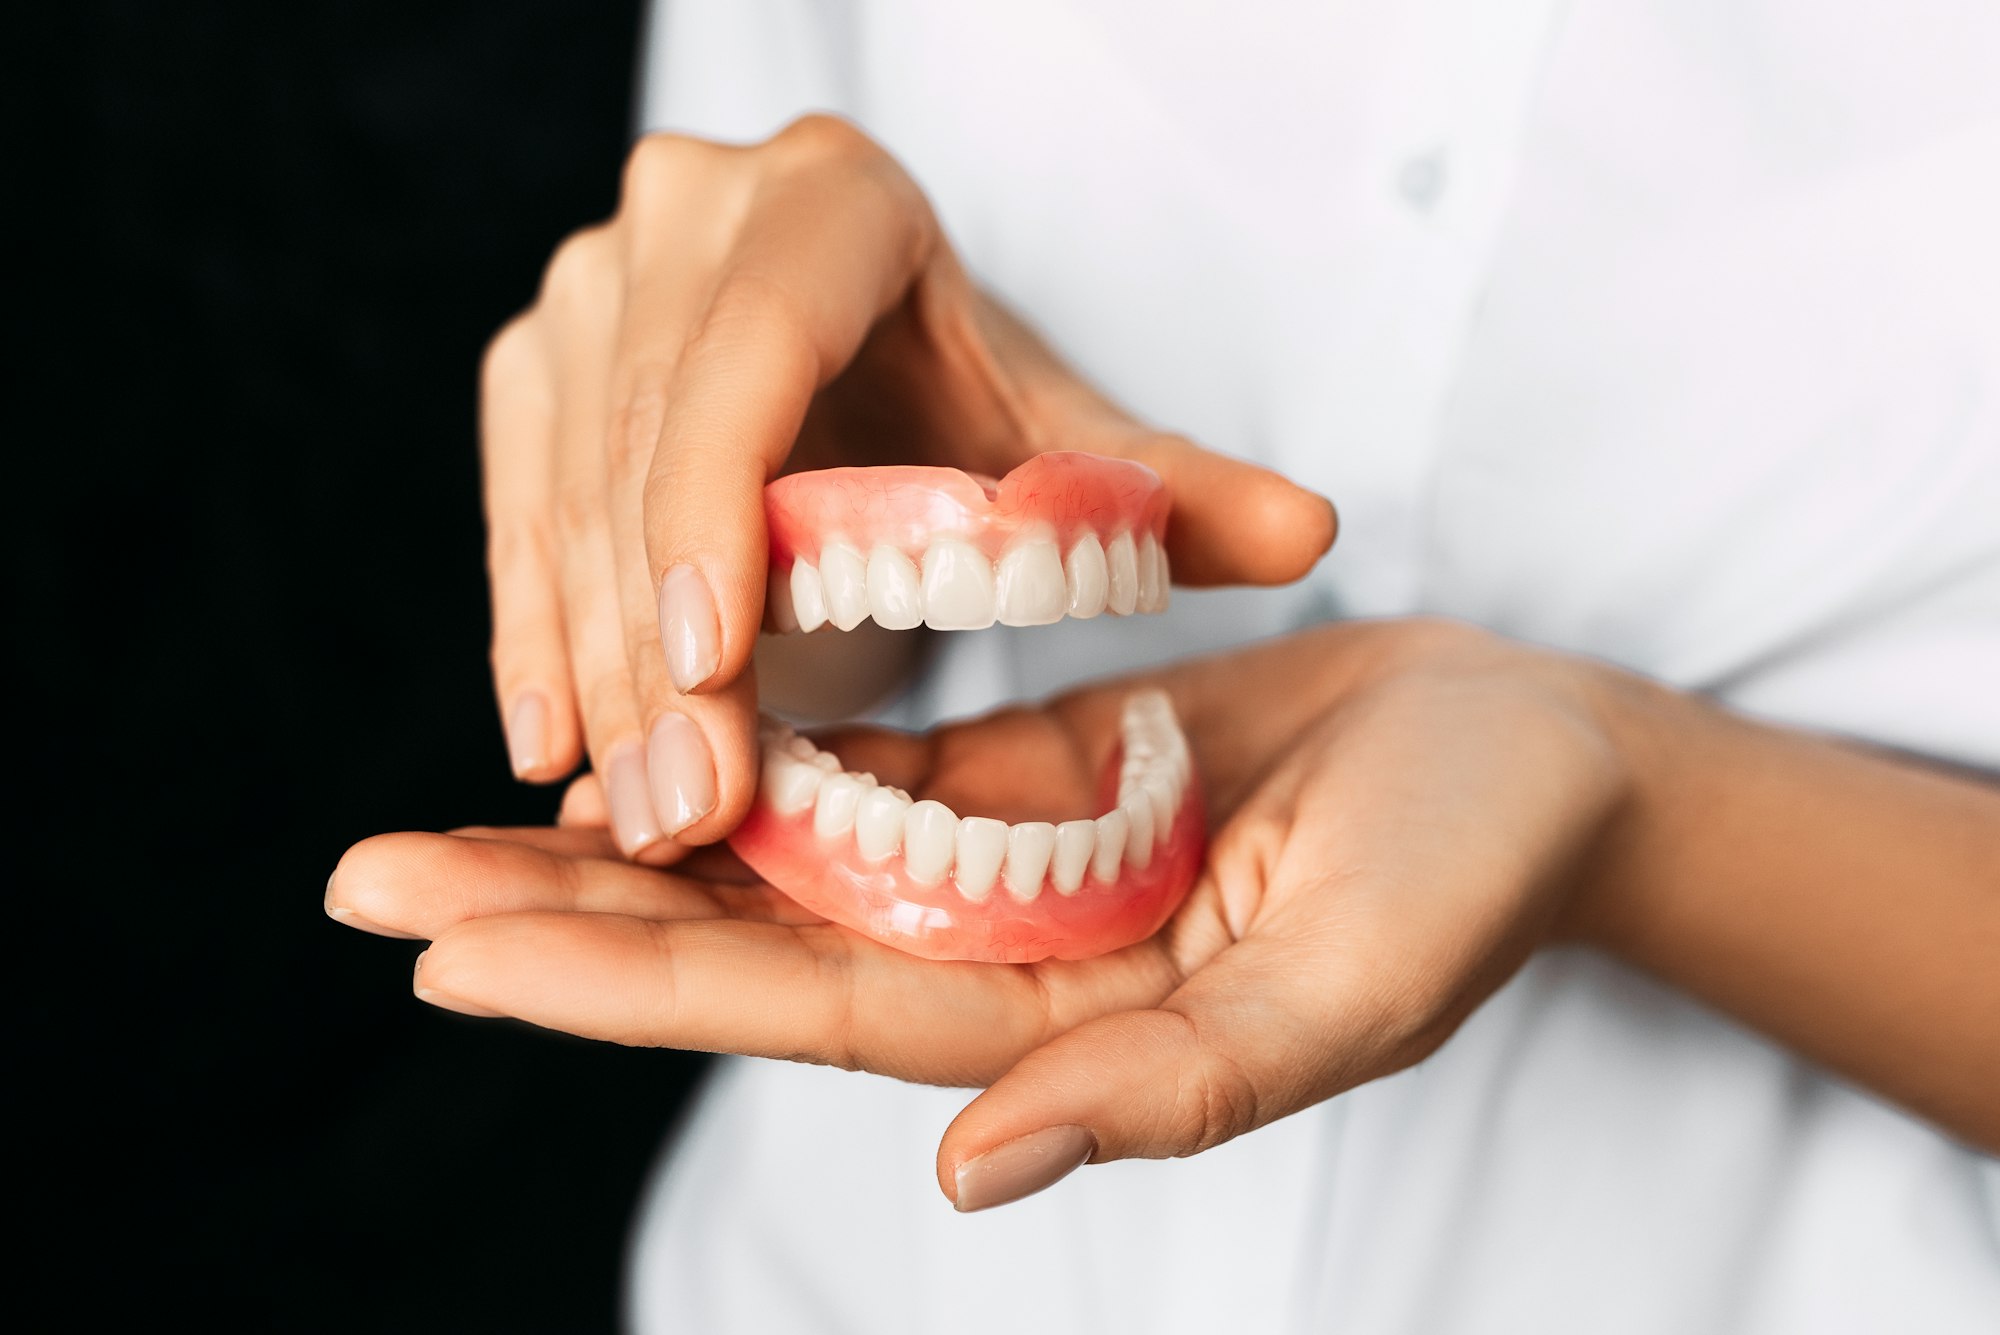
[(1843, 902)]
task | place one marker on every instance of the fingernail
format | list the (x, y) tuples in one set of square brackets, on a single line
[(528, 733), (1023, 1166), (444, 1000), (682, 773), (625, 793), (688, 627), (347, 917)]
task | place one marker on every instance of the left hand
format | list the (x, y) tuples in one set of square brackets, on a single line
[(1400, 813)]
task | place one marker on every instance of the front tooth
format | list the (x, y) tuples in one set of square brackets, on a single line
[(982, 846), (895, 598), (1029, 583), (1138, 811), (1086, 577), (1076, 840), (845, 579), (878, 822), (1113, 830), (789, 785), (1152, 598), (1121, 559), (1029, 846), (808, 596), (839, 796), (930, 833), (778, 605), (958, 586)]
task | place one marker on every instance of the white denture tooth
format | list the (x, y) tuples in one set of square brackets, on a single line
[(895, 592), (1028, 585), (1149, 598), (839, 796), (930, 837), (1029, 847), (1166, 576), (801, 748), (1138, 810), (827, 762), (1113, 832), (878, 822), (1121, 561), (958, 586), (982, 847), (1076, 840), (844, 576), (773, 731), (1086, 578), (789, 785), (1159, 789), (808, 596), (778, 613)]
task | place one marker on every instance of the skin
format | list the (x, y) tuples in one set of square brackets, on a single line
[(748, 310), (1402, 813)]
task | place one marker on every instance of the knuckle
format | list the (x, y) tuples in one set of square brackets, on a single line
[(579, 513), (1215, 1100), (634, 428), (658, 163), (508, 353), (822, 136), (583, 267)]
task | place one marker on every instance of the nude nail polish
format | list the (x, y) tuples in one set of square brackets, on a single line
[(689, 630), (681, 771), (625, 793), (1023, 1166), (528, 733)]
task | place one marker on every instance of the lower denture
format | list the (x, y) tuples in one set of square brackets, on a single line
[(920, 877)]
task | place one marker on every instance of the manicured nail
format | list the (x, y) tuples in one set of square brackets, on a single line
[(682, 773), (1023, 1166), (625, 793), (528, 733), (444, 1000), (688, 627), (347, 917)]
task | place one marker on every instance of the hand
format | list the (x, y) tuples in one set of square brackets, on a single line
[(1400, 812), (788, 304)]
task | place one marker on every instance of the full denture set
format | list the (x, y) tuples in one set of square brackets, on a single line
[(1065, 534)]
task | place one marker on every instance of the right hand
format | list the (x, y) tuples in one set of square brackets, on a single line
[(788, 304)]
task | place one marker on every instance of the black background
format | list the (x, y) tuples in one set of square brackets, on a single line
[(247, 560)]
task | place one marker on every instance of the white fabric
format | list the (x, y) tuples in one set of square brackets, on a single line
[(1664, 330)]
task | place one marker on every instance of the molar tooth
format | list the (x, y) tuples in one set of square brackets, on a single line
[(878, 822), (839, 795), (1076, 840), (1086, 577), (930, 833), (1029, 846), (778, 613), (982, 846), (827, 762), (1029, 584), (958, 586), (789, 785), (1121, 560), (808, 596), (845, 579), (800, 748), (895, 597), (1113, 831), (1138, 810), (1159, 790)]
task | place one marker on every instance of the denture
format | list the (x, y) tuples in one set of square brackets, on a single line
[(1065, 534)]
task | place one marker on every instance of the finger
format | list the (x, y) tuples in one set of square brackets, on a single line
[(816, 993), (530, 662), (581, 301), (1247, 1040), (419, 885), (1235, 522), (837, 237), (583, 803)]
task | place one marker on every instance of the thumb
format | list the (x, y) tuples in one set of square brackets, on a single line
[(1251, 1037), (1235, 522)]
